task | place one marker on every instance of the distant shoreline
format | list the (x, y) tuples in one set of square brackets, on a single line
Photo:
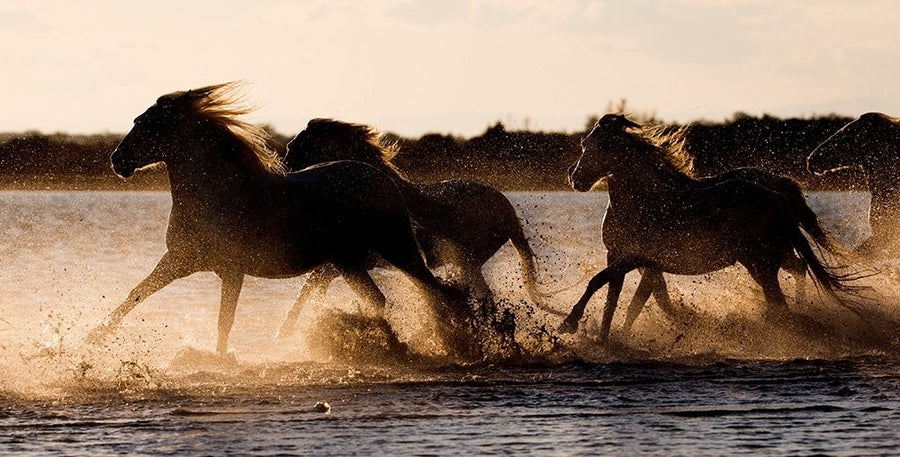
[(151, 182), (157, 182)]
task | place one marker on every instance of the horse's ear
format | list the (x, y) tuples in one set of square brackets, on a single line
[(628, 123)]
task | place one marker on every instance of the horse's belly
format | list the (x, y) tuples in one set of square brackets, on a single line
[(677, 253), (688, 265)]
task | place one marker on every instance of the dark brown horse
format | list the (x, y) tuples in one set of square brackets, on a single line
[(235, 213), (459, 223), (674, 140), (871, 143), (662, 220)]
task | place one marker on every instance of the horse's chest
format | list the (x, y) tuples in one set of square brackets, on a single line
[(215, 236)]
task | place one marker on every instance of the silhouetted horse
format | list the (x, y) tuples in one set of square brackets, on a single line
[(459, 223), (235, 213), (872, 143), (661, 219), (652, 280)]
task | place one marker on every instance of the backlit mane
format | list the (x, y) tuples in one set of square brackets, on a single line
[(668, 144), (362, 139), (223, 104)]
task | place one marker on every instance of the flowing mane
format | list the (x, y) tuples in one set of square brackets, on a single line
[(668, 145), (222, 105), (366, 142)]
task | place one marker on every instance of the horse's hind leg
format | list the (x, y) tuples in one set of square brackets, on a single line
[(402, 252), (652, 282), (767, 277), (797, 268), (362, 284), (317, 282), (479, 289), (641, 295), (451, 310)]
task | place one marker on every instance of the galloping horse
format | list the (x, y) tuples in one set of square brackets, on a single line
[(652, 281), (459, 223), (236, 213), (661, 219), (872, 143)]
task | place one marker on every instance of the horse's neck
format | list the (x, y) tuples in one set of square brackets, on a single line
[(203, 183), (881, 160), (648, 182)]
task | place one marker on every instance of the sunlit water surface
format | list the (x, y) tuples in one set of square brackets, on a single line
[(725, 382)]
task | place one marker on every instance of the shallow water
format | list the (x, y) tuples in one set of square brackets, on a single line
[(725, 382)]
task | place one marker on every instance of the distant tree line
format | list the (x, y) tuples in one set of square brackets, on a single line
[(509, 160)]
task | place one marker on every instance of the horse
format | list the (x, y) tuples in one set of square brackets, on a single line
[(459, 223), (872, 143), (235, 212), (653, 282), (661, 219)]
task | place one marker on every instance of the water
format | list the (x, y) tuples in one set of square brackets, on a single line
[(727, 382)]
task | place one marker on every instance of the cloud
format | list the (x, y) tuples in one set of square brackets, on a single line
[(20, 20), (428, 12)]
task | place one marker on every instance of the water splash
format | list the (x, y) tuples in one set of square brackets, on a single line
[(55, 288)]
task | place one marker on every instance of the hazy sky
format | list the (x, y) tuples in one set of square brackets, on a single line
[(414, 66)]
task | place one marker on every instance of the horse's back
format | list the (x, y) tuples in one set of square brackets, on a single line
[(345, 206), (468, 211), (741, 197), (350, 184), (771, 181), (722, 220)]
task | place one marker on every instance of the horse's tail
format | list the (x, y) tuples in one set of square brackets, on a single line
[(827, 278), (808, 219), (791, 191), (529, 270)]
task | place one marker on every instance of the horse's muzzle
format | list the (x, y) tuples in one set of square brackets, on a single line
[(123, 170), (579, 185)]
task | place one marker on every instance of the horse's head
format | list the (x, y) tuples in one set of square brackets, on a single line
[(327, 140), (185, 125), (156, 134), (598, 157), (852, 145)]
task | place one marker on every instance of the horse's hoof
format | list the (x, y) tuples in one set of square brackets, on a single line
[(568, 326)]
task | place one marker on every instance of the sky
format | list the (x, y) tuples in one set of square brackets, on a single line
[(447, 66)]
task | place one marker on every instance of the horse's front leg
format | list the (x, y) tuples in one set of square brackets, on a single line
[(570, 324), (168, 269), (615, 271), (317, 282), (231, 290)]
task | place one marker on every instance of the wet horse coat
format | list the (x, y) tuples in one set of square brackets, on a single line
[(663, 220), (871, 142), (459, 223), (235, 213)]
